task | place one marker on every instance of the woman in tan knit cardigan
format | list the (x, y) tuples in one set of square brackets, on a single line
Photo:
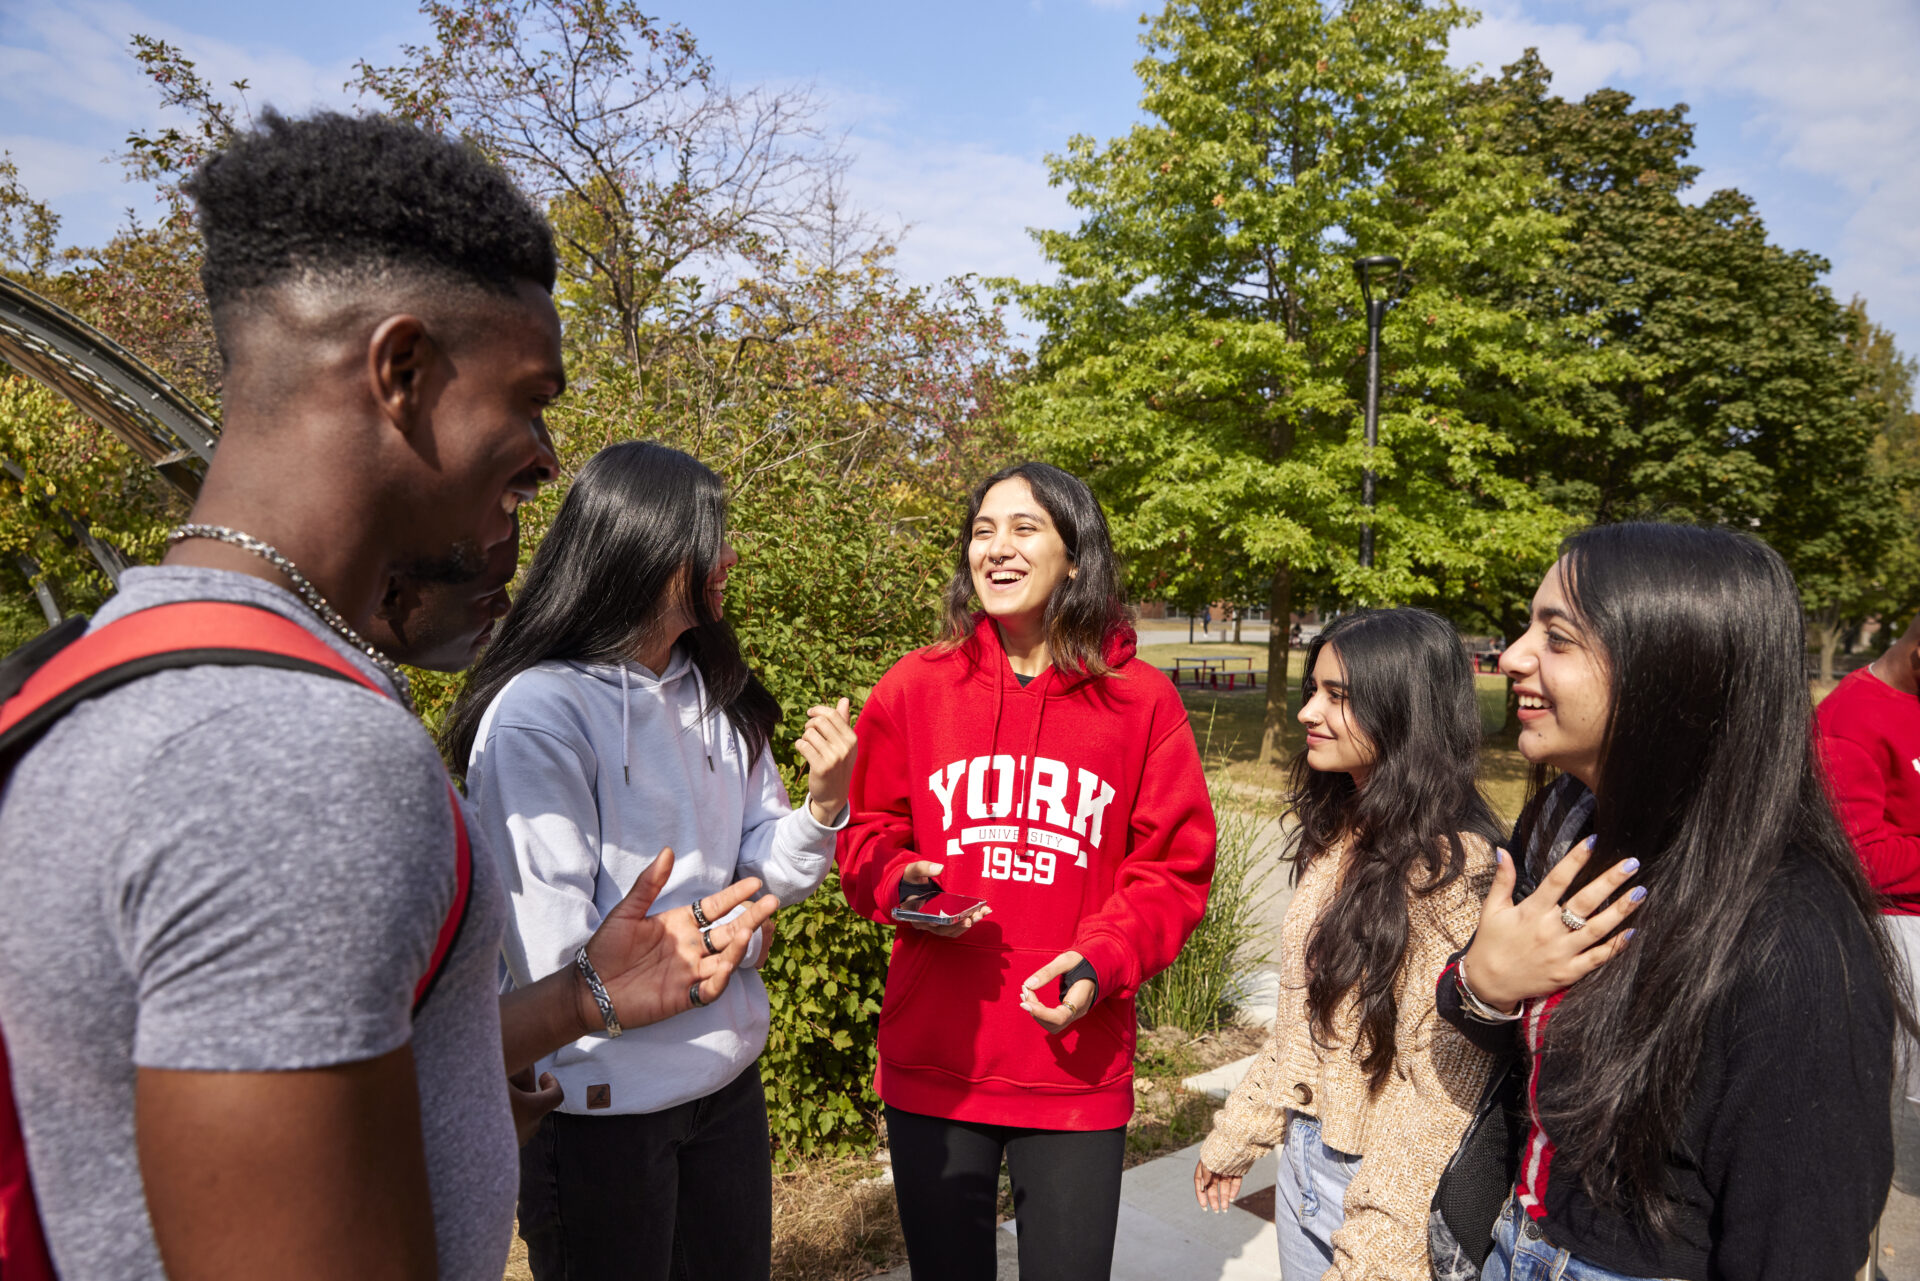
[(1361, 1084)]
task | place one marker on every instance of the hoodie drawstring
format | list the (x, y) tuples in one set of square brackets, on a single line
[(626, 722), (706, 742), (1032, 755)]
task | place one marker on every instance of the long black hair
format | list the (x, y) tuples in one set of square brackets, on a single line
[(1082, 610), (1709, 776), (1410, 690), (639, 520)]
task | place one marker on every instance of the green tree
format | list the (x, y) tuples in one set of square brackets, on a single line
[(1894, 592), (1723, 388), (1203, 356), (75, 507), (75, 503)]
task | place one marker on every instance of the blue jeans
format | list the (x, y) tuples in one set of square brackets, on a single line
[(1520, 1253), (1309, 1199)]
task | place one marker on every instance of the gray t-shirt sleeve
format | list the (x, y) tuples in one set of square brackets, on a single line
[(276, 915)]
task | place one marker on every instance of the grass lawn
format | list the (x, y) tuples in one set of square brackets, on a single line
[(1229, 725)]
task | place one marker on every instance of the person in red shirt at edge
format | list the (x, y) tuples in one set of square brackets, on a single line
[(1870, 745), (1028, 760)]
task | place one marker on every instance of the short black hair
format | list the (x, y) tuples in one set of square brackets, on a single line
[(333, 195)]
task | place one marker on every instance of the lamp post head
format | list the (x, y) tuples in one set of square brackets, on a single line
[(1363, 267)]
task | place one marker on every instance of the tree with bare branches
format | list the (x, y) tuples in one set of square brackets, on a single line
[(664, 184)]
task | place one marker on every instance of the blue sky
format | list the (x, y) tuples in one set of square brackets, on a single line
[(948, 110)]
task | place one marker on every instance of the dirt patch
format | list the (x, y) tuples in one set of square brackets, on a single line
[(1166, 1116)]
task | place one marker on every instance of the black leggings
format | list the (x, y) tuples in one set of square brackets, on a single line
[(1066, 1196), (680, 1195)]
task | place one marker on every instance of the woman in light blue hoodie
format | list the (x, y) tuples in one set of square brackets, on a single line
[(611, 717)]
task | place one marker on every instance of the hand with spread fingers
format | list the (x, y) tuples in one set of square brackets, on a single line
[(1540, 945), (654, 967), (1214, 1191), (828, 747), (922, 874), (1057, 1018)]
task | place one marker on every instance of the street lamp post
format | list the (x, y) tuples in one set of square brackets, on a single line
[(1376, 313)]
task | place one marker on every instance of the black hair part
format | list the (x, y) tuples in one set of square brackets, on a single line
[(337, 195), (1709, 775), (640, 521), (1410, 691), (1084, 609)]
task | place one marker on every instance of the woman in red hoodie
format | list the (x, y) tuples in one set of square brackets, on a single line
[(1028, 760)]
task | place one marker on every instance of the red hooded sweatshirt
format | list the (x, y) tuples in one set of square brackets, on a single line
[(1078, 810), (1870, 743)]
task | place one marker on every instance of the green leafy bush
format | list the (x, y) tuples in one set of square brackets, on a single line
[(825, 599)]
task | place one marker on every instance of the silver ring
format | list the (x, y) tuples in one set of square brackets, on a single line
[(1572, 920), (700, 916), (693, 994), (706, 940)]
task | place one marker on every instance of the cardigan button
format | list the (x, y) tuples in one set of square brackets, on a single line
[(1303, 1093)]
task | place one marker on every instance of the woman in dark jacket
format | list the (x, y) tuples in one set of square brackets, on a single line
[(1708, 1089)]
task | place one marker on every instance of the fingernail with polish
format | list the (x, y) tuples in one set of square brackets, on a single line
[(1499, 856), (1627, 935), (1639, 892), (1631, 866), (1591, 842)]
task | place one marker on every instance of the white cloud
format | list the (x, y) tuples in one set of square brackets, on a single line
[(965, 207), (1580, 61), (72, 92), (958, 207)]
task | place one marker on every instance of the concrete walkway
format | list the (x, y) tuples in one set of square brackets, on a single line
[(1165, 1236)]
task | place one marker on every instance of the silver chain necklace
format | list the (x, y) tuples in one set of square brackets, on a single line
[(308, 593)]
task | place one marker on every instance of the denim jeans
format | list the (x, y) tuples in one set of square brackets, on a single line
[(1905, 931), (1309, 1199), (1520, 1253)]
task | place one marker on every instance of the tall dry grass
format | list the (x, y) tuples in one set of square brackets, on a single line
[(834, 1221), (1196, 993)]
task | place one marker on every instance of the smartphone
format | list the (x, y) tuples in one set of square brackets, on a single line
[(937, 909)]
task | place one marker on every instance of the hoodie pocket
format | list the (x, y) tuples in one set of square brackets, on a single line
[(955, 1008)]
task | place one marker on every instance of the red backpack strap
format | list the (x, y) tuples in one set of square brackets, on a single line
[(456, 911), (187, 634), (23, 1247)]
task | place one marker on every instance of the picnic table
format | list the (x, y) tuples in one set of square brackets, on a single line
[(1211, 668)]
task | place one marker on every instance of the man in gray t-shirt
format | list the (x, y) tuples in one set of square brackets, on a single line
[(240, 870), (219, 886)]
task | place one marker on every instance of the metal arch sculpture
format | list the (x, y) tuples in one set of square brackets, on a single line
[(107, 383)]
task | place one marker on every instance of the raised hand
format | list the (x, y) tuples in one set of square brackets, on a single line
[(922, 873), (828, 746), (1057, 1018), (1530, 948), (650, 964)]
